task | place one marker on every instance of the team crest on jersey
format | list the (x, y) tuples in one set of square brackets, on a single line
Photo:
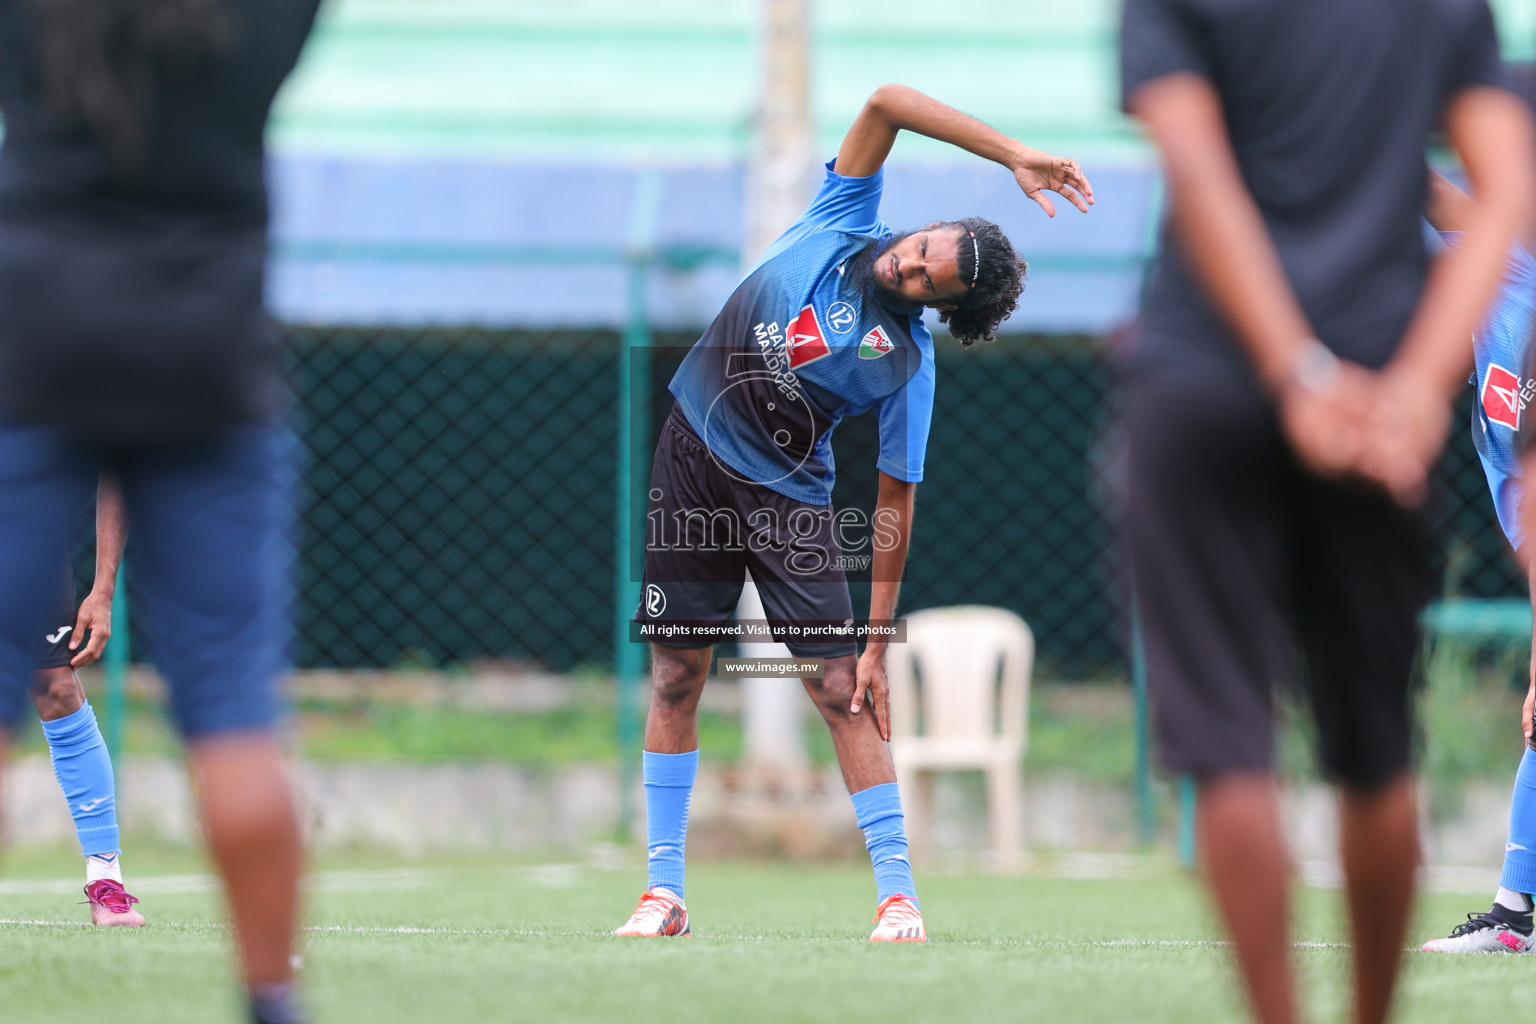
[(875, 344), (1505, 396), (806, 342)]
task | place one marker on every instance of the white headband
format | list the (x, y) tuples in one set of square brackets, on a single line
[(976, 249)]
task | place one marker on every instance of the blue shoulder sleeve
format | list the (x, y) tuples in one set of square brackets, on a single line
[(905, 417), (841, 204), (1505, 491), (846, 204), (1520, 268)]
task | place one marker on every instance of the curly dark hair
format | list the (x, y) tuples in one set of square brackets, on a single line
[(992, 299), (100, 59)]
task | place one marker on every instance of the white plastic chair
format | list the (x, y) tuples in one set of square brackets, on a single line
[(959, 701)]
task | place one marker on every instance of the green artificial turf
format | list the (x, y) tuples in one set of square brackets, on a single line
[(486, 941)]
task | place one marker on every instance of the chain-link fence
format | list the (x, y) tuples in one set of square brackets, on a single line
[(462, 497), (1478, 561)]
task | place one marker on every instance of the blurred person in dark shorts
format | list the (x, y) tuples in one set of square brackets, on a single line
[(828, 324), (1288, 390), (133, 341)]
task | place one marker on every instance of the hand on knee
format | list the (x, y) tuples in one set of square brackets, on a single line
[(833, 692)]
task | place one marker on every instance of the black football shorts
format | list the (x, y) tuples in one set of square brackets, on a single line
[(706, 528), (61, 627), (1249, 571)]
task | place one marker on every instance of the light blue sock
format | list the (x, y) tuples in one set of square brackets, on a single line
[(1520, 849), (878, 810), (668, 791), (84, 771)]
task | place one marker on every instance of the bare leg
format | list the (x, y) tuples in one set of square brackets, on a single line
[(861, 753), (677, 680), (57, 693), (253, 834), (669, 772), (1379, 847), (83, 767), (1249, 875)]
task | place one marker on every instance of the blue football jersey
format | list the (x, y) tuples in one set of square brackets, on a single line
[(1502, 347), (798, 346)]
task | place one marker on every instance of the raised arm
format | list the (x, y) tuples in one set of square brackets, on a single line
[(895, 108)]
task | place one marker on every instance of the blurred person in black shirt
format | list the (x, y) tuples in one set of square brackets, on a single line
[(133, 221), (1289, 389)]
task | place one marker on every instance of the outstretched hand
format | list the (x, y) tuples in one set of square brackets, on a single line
[(1038, 172)]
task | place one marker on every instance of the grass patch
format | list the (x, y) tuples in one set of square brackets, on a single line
[(1086, 729), (1469, 711), (422, 941), (1083, 729), (145, 731), (378, 731)]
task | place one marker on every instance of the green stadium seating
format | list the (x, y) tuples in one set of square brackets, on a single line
[(673, 81)]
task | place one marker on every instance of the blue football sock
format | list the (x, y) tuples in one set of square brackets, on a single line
[(1520, 849), (878, 810), (84, 771), (668, 791)]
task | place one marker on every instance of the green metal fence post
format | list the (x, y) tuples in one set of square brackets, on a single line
[(1146, 801), (1187, 821), (115, 664), (634, 431), (1146, 805)]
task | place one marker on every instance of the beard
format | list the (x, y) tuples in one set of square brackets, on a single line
[(861, 275)]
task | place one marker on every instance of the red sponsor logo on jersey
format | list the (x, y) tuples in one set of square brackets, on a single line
[(1502, 400), (806, 342)]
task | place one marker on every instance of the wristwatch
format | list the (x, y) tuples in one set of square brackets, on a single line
[(1315, 368)]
